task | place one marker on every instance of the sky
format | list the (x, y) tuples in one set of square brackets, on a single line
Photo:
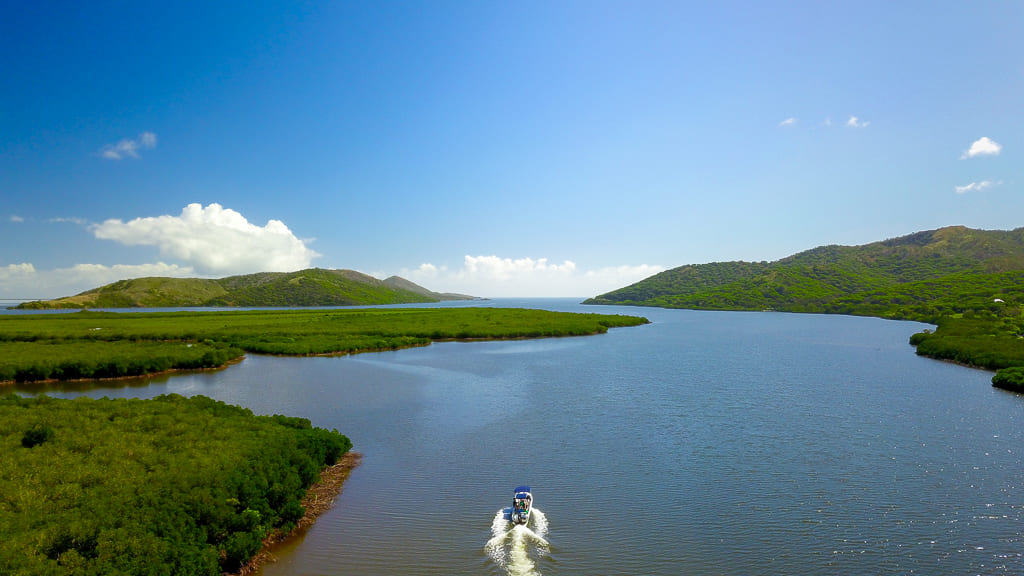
[(552, 148)]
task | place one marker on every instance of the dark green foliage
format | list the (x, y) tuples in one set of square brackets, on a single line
[(72, 359), (978, 340), (1010, 379), (36, 435), (171, 485), (107, 344)]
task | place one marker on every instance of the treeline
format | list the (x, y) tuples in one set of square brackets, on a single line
[(983, 340), (74, 359), (171, 485), (108, 344)]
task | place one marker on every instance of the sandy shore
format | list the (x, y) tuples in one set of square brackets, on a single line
[(319, 499)]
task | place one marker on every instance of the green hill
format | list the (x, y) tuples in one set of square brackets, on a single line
[(920, 276), (313, 287)]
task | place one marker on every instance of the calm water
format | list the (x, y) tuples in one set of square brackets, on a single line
[(704, 443)]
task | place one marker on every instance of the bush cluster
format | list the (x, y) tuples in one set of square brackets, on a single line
[(171, 485)]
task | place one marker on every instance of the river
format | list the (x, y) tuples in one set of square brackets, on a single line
[(704, 443)]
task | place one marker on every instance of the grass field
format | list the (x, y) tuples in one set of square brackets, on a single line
[(108, 344)]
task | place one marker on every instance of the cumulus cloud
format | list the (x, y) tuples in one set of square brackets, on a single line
[(26, 282), (787, 122), (214, 240), (855, 122), (494, 276), (129, 147), (976, 186), (982, 147), (15, 218)]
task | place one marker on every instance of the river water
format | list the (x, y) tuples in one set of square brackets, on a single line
[(705, 443)]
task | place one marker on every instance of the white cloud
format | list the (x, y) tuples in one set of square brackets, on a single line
[(129, 147), (215, 240), (493, 276), (787, 122), (982, 147), (24, 281), (976, 186), (855, 122), (828, 122), (15, 218), (14, 271), (79, 221)]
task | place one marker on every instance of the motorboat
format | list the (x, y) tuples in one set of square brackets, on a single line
[(522, 503)]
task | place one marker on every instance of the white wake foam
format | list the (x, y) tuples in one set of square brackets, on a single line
[(516, 547)]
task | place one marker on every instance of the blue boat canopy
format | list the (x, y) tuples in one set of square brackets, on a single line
[(522, 489)]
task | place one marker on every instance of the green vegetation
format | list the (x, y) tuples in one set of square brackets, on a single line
[(313, 287), (1010, 379), (171, 485), (73, 358), (108, 344), (968, 282)]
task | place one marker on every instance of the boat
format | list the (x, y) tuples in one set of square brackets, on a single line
[(522, 503)]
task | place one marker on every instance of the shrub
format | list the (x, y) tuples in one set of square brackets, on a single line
[(1010, 379), (36, 435)]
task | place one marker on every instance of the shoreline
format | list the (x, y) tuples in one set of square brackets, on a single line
[(319, 498)]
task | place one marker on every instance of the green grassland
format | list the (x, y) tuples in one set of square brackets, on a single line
[(163, 486), (970, 283), (108, 344)]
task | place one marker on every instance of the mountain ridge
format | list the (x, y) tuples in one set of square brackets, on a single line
[(309, 287)]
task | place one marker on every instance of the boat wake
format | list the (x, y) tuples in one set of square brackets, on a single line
[(516, 548)]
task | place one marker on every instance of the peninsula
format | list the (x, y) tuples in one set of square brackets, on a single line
[(88, 344)]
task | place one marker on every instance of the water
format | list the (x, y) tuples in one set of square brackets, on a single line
[(705, 443)]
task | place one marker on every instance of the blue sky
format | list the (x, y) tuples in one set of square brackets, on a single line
[(498, 149)]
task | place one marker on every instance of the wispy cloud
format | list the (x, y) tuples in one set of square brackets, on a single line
[(15, 218), (526, 277), (128, 147), (983, 146), (787, 122), (215, 240), (855, 122), (976, 186), (71, 220)]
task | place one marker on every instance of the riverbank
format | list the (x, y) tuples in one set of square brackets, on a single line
[(319, 499)]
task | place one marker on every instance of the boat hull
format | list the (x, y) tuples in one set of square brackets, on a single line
[(522, 504)]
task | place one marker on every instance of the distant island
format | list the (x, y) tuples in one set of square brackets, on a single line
[(311, 287), (968, 282)]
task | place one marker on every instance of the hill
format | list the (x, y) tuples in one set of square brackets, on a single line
[(921, 276), (312, 287)]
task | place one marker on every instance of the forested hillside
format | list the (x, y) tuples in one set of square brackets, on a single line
[(921, 276), (313, 287)]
